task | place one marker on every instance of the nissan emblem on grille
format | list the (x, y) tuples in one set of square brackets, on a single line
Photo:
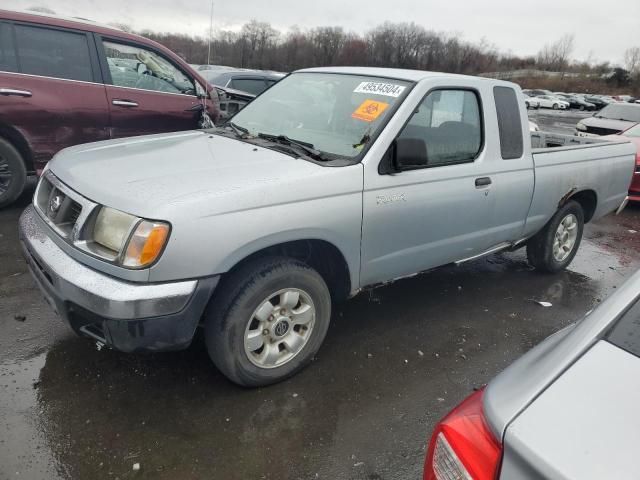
[(54, 204)]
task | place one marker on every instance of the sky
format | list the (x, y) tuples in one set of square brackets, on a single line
[(602, 31)]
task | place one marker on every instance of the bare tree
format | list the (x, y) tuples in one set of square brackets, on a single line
[(556, 56), (632, 62)]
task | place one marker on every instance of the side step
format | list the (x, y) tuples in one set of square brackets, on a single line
[(497, 248)]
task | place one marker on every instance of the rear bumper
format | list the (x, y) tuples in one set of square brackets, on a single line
[(127, 316)]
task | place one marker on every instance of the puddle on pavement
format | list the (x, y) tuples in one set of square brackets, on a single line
[(394, 361), (24, 452)]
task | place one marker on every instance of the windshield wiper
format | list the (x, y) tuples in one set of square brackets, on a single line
[(237, 129), (290, 142)]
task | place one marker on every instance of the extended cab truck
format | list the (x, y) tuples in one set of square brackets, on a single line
[(332, 180)]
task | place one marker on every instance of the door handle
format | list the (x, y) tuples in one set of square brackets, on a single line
[(483, 181), (15, 92), (124, 103)]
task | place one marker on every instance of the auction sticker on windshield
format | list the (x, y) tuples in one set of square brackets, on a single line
[(369, 110), (379, 88)]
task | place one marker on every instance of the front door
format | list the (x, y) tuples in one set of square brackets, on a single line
[(147, 93), (422, 218)]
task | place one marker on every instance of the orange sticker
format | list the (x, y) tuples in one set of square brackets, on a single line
[(369, 110)]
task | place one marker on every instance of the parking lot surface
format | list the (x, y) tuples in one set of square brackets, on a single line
[(395, 360)]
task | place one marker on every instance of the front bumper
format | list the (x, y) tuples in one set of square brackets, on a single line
[(127, 316)]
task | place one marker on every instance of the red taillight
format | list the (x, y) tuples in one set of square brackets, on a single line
[(462, 447)]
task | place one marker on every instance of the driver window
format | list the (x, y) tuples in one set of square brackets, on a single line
[(449, 123), (136, 67)]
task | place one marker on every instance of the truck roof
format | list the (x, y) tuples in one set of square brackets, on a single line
[(397, 73)]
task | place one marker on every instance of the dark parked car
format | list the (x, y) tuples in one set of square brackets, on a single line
[(67, 81), (613, 118), (250, 81), (599, 102), (576, 102)]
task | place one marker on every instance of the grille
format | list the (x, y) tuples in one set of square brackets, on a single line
[(60, 209), (601, 131)]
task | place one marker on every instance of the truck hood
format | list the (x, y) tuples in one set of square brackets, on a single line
[(187, 173), (607, 123)]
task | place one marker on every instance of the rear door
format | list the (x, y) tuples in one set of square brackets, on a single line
[(51, 87), (146, 91)]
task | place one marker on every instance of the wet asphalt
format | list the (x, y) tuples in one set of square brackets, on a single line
[(395, 360)]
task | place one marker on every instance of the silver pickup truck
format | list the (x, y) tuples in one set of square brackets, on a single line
[(331, 181)]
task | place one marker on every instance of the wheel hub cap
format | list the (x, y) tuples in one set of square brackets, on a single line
[(279, 328), (565, 238)]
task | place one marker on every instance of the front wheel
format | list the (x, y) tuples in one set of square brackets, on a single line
[(267, 321), (13, 174), (553, 248), (556, 106)]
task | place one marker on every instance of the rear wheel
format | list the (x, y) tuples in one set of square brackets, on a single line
[(13, 173), (553, 248), (267, 321)]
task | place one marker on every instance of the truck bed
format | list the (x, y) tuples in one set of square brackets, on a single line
[(565, 164)]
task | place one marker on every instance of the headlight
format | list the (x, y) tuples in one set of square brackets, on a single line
[(135, 242), (581, 127), (112, 228)]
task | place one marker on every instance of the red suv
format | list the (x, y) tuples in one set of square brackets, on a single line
[(65, 82)]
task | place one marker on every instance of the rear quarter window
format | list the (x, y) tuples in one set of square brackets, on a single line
[(53, 53), (252, 85), (625, 333), (509, 124)]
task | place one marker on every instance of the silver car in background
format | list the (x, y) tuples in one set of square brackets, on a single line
[(568, 409)]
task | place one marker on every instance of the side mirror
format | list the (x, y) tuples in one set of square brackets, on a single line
[(410, 154)]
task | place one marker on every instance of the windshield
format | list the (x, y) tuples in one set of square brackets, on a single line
[(630, 113), (335, 113)]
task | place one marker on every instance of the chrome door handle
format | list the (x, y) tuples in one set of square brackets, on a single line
[(13, 91), (124, 103)]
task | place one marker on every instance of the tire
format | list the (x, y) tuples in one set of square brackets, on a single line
[(540, 248), (556, 106), (13, 173), (581, 108), (232, 315)]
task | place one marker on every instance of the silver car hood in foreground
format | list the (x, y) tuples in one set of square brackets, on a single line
[(193, 173), (608, 123), (585, 426), (511, 392)]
